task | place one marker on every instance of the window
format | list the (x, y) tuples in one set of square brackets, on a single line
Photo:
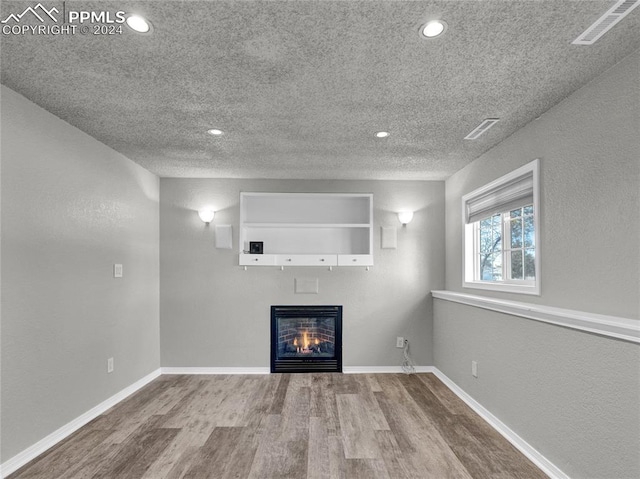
[(501, 233)]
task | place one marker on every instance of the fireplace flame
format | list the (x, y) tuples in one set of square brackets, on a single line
[(306, 343)]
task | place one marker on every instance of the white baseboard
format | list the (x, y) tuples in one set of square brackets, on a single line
[(19, 460), (188, 370), (523, 446), (258, 370), (382, 369)]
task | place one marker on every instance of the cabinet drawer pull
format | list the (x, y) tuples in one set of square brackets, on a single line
[(354, 260), (256, 259), (321, 259), (288, 259)]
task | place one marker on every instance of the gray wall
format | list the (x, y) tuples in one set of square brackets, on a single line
[(213, 313), (574, 396), (589, 155), (71, 208)]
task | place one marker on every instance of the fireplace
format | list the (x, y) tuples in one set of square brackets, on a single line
[(306, 339)]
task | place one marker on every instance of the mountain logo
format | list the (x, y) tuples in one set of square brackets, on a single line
[(34, 10)]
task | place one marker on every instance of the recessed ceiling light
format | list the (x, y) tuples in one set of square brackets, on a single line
[(215, 132), (433, 28), (382, 134), (139, 24)]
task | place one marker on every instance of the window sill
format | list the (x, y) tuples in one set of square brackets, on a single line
[(503, 287)]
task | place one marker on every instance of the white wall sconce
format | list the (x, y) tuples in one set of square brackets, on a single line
[(405, 217), (206, 215)]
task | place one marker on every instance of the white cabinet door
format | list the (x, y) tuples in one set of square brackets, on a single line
[(355, 260), (257, 259)]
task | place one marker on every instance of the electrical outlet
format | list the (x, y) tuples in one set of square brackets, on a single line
[(474, 369), (399, 342), (117, 271), (110, 365)]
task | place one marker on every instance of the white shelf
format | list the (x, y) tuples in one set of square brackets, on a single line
[(307, 229)]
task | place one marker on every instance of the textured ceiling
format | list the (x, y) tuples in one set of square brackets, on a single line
[(300, 87)]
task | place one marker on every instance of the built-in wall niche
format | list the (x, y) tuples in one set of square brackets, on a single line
[(307, 229)]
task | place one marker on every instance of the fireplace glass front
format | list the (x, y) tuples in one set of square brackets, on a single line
[(306, 339)]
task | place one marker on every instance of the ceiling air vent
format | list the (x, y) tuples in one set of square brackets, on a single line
[(602, 25), (481, 128)]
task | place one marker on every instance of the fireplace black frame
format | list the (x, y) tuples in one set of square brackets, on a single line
[(306, 365)]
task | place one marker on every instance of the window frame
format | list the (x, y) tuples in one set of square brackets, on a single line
[(471, 238)]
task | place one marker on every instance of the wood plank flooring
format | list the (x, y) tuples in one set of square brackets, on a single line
[(314, 426)]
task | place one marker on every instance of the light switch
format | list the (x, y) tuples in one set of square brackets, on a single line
[(117, 271)]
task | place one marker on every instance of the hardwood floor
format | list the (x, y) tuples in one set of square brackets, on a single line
[(314, 426)]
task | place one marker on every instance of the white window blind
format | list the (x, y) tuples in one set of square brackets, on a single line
[(504, 196)]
